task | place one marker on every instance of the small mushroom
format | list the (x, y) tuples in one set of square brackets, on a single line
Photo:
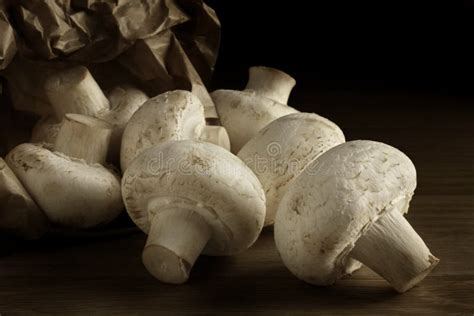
[(19, 214), (69, 184), (271, 83), (174, 115), (75, 91), (191, 197), (347, 207), (280, 151), (244, 113)]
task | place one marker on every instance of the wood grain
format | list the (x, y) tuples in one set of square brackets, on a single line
[(106, 275)]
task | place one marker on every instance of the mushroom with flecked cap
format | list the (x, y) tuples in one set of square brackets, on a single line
[(244, 113), (191, 197), (174, 115), (280, 151), (347, 207), (68, 181)]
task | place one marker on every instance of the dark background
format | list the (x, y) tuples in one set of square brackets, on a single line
[(334, 45)]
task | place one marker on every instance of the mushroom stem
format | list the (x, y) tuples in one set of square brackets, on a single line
[(271, 83), (216, 135), (75, 91), (84, 137), (393, 249), (176, 239)]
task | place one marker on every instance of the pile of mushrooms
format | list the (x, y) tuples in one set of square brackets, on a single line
[(197, 189)]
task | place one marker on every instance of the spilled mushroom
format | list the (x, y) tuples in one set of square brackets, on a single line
[(346, 208), (280, 151), (244, 113), (68, 181), (191, 197)]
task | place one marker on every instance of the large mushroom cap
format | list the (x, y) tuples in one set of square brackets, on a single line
[(334, 201), (19, 214), (203, 177), (174, 115), (244, 113), (282, 149), (69, 191)]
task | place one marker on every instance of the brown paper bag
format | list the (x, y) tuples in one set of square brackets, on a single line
[(158, 45)]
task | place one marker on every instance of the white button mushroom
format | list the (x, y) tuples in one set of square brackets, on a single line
[(69, 184), (282, 149), (348, 205), (19, 214), (74, 90), (191, 197), (244, 113), (173, 115)]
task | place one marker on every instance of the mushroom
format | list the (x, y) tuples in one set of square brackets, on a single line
[(74, 90), (191, 197), (280, 151), (19, 214), (347, 208), (271, 83), (173, 115), (244, 113), (69, 184)]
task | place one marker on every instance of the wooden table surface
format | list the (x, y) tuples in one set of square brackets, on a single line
[(106, 275)]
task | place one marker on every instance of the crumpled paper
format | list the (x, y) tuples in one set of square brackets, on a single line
[(158, 45)]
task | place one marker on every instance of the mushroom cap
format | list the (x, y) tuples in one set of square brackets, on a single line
[(244, 113), (280, 151), (69, 191), (203, 177), (19, 214), (330, 205), (173, 115)]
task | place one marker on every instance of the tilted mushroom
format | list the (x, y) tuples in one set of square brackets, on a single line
[(244, 113), (282, 149), (69, 184), (174, 115), (75, 91), (191, 197), (347, 207), (19, 214)]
